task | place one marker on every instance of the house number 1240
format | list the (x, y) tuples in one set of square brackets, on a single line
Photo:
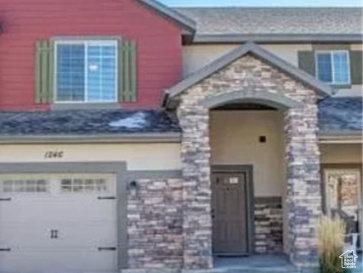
[(53, 154)]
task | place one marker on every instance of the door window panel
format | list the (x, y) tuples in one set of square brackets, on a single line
[(342, 197)]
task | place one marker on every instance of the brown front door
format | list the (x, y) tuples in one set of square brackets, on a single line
[(230, 213)]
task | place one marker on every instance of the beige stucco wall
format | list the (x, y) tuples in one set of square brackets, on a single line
[(235, 140), (341, 153), (197, 56), (146, 156)]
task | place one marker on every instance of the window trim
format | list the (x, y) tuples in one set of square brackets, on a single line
[(331, 52), (85, 41)]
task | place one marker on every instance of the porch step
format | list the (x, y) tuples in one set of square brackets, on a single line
[(257, 270), (254, 264)]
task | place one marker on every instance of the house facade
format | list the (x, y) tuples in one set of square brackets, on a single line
[(135, 136)]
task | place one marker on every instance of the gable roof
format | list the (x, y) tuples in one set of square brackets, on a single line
[(185, 22), (249, 48), (236, 24)]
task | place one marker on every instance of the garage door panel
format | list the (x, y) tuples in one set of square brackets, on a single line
[(77, 261), (73, 208), (39, 209), (72, 237), (83, 223)]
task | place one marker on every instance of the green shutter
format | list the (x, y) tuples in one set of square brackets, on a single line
[(356, 67), (127, 71), (306, 61), (44, 67)]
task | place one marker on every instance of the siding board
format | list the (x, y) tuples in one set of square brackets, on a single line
[(159, 59)]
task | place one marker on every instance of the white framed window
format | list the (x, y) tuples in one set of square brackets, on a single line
[(10, 186), (84, 185), (86, 71), (333, 67)]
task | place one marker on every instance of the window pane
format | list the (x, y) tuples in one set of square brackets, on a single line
[(324, 67), (25, 186), (70, 72), (87, 185), (101, 71), (341, 70)]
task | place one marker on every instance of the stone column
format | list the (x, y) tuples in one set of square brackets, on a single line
[(195, 154), (303, 182)]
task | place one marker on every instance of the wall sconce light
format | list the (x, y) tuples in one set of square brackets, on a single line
[(133, 187)]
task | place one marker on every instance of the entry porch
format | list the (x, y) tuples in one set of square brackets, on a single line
[(251, 160)]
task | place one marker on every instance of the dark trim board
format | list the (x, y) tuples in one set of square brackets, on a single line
[(277, 38), (99, 138), (250, 197), (123, 178), (268, 200), (185, 22)]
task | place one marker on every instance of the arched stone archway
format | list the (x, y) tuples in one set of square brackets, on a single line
[(271, 86), (271, 99)]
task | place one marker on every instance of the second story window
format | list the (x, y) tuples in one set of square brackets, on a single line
[(333, 67), (86, 71)]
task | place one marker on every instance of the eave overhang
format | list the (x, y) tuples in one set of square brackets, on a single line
[(267, 38), (81, 139), (188, 25)]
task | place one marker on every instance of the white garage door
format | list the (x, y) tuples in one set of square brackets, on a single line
[(58, 223)]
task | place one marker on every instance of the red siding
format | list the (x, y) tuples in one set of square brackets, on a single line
[(25, 21)]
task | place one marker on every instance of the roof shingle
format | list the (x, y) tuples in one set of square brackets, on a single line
[(245, 20), (341, 116), (86, 122), (336, 116)]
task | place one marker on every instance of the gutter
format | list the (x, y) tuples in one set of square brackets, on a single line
[(81, 139), (349, 138), (276, 38)]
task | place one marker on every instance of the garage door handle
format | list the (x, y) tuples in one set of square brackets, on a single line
[(107, 249), (106, 198), (5, 249), (5, 199)]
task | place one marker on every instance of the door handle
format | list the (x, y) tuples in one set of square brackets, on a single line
[(107, 249), (5, 249), (106, 198)]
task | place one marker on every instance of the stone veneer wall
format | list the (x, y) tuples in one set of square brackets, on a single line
[(154, 215), (249, 76), (268, 225)]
